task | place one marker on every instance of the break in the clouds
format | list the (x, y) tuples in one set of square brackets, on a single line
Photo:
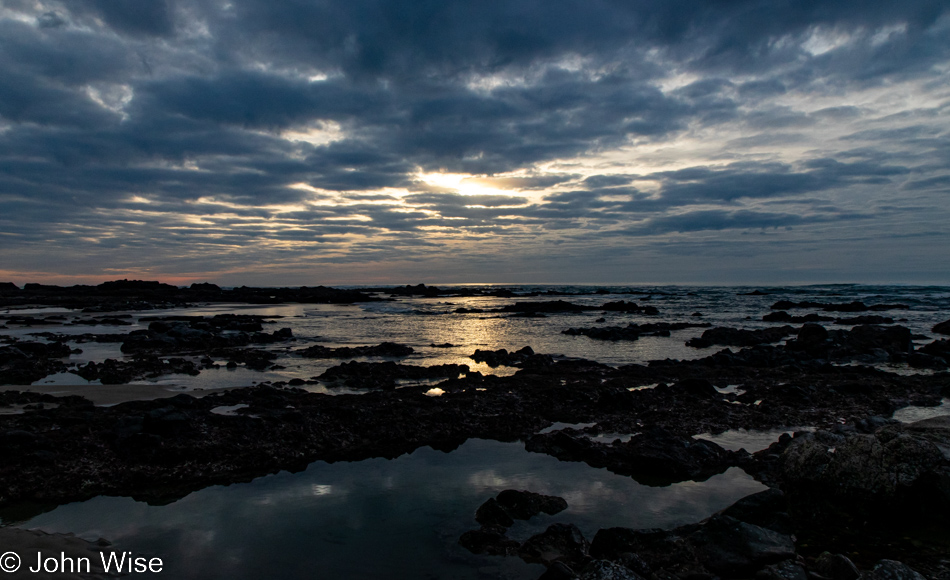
[(303, 142)]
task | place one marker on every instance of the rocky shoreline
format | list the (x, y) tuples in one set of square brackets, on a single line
[(857, 487)]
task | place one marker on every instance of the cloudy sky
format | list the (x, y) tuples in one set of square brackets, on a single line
[(384, 141)]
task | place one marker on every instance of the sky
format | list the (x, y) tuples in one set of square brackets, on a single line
[(299, 142)]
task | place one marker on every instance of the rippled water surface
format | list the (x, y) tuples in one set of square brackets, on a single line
[(422, 322)]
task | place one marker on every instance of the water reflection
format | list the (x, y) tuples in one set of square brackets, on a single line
[(381, 519)]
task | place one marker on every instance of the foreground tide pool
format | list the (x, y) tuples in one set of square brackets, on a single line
[(380, 518)]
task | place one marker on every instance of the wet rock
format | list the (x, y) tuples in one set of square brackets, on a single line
[(702, 388), (767, 509), (491, 513), (942, 327), (938, 348), (202, 333), (892, 570), (740, 337), (732, 548), (524, 505), (896, 472), (865, 337), (785, 570), (251, 358), (558, 571), (512, 504), (835, 567), (657, 550), (607, 570), (524, 357), (654, 457), (383, 375), (389, 349), (22, 363), (113, 372), (560, 542), (810, 337), (632, 331)]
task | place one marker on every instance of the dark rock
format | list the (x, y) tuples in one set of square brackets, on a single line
[(697, 387), (607, 570), (560, 542), (632, 331), (383, 375), (558, 571), (896, 472), (767, 509), (654, 457), (523, 505), (836, 567), (892, 570), (731, 548), (811, 336), (942, 327), (740, 337), (664, 550), (523, 357), (938, 348), (388, 349), (785, 570), (492, 514), (892, 339)]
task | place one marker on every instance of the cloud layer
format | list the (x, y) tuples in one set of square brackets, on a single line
[(519, 141)]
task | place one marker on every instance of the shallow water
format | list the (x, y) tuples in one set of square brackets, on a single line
[(381, 518), (402, 518), (914, 413), (421, 322)]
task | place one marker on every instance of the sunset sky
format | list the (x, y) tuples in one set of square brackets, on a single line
[(289, 142)]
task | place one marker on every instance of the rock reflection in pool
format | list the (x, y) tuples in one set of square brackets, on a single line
[(381, 518)]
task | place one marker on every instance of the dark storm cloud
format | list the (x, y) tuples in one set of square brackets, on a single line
[(728, 220), (179, 122), (152, 18)]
